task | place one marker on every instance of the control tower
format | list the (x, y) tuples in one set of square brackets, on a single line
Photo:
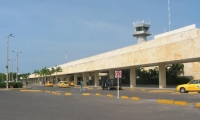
[(141, 31)]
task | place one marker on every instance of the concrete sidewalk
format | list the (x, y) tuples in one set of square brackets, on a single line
[(138, 86)]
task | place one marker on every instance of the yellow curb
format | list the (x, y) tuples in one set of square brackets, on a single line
[(124, 97), (86, 94), (47, 91), (68, 94), (109, 95), (135, 98), (97, 94), (143, 89), (165, 101), (161, 91), (53, 92), (58, 93), (132, 89), (30, 90), (197, 104), (192, 92), (180, 103)]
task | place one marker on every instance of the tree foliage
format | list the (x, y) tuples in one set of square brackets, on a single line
[(172, 71)]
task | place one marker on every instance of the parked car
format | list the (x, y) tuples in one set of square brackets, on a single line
[(59, 83), (71, 83), (111, 84), (65, 84), (192, 86), (48, 84)]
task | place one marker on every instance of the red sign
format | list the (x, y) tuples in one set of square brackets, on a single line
[(118, 74)]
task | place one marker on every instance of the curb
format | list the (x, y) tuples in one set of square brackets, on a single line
[(192, 92), (135, 98), (143, 90), (165, 101), (97, 94), (124, 97), (31, 90), (180, 103), (68, 94), (171, 91), (197, 104), (183, 103), (86, 94), (109, 95)]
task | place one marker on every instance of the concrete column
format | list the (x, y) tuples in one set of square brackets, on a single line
[(162, 76), (132, 77), (96, 78), (75, 78), (112, 74), (84, 78), (62, 77), (67, 77)]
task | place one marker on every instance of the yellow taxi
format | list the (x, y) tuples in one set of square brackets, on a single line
[(71, 83), (63, 84), (192, 86), (48, 84)]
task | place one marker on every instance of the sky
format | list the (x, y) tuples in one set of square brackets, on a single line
[(54, 32)]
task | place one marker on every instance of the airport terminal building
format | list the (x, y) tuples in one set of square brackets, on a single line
[(177, 46)]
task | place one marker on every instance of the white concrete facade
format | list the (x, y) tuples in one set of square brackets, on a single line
[(176, 47)]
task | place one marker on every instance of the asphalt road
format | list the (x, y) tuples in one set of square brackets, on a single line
[(142, 93), (16, 105)]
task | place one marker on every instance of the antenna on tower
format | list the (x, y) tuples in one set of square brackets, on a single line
[(66, 55), (169, 20)]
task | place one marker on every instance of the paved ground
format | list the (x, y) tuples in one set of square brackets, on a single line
[(143, 93), (16, 105)]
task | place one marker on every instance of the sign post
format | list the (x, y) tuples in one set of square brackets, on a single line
[(118, 74)]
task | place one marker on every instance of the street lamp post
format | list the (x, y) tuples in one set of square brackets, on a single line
[(17, 64), (56, 74), (7, 59)]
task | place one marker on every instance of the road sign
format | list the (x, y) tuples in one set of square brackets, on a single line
[(118, 74)]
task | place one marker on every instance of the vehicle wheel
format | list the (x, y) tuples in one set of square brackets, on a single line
[(182, 90)]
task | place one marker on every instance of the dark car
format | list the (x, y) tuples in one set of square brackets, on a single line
[(111, 84)]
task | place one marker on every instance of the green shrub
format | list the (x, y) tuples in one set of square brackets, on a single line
[(174, 81), (14, 84), (2, 85), (178, 80)]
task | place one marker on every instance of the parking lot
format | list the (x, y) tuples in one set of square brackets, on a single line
[(50, 103)]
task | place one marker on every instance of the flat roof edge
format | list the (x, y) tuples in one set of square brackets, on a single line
[(193, 26)]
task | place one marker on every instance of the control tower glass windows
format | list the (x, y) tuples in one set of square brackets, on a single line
[(146, 28), (142, 28), (138, 28)]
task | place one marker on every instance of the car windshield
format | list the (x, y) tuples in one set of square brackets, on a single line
[(66, 82), (50, 82), (194, 82)]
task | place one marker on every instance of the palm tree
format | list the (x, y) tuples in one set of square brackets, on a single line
[(174, 70), (58, 69), (153, 73), (25, 76), (37, 72), (50, 71), (44, 73)]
